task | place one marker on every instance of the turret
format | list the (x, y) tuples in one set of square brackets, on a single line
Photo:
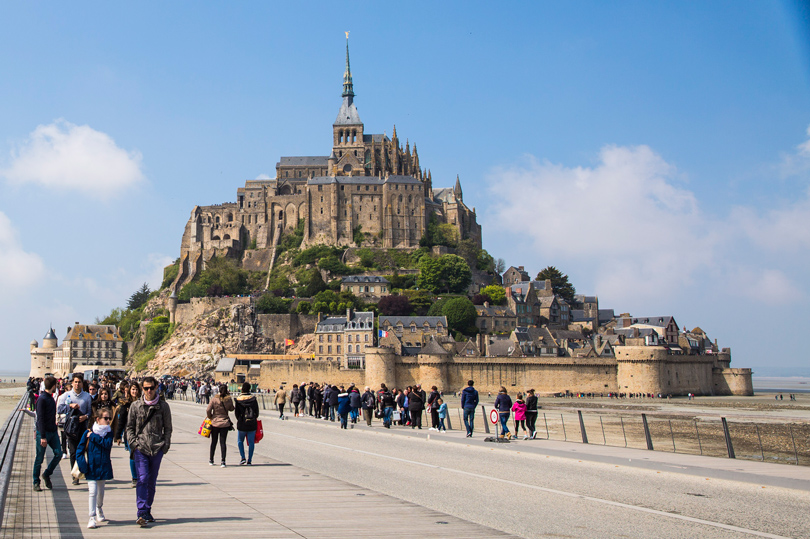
[(457, 190), (173, 307)]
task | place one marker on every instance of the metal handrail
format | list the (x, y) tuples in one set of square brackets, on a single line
[(9, 435)]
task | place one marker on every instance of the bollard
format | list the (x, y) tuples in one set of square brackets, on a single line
[(792, 439), (548, 436), (582, 427), (761, 451), (672, 435), (486, 419), (623, 432), (698, 437), (604, 440), (728, 438), (647, 432), (562, 420)]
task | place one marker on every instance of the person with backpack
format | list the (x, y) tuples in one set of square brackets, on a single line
[(333, 402), (149, 431), (368, 403), (416, 405), (519, 407), (469, 402), (343, 408), (217, 412), (386, 401), (97, 466), (247, 415), (295, 398), (433, 407), (77, 407), (503, 403), (355, 401)]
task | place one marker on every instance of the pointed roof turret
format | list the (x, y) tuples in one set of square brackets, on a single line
[(348, 115), (457, 189)]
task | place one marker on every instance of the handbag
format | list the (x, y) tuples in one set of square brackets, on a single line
[(396, 416), (205, 428), (75, 472), (259, 432)]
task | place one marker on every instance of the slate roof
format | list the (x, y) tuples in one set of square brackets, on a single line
[(493, 310), (364, 279), (659, 321), (303, 161), (433, 348), (226, 364), (565, 334), (347, 115), (606, 314), (338, 323), (579, 298), (642, 332), (504, 348), (374, 138), (578, 315), (85, 332), (444, 194), (50, 335), (418, 320)]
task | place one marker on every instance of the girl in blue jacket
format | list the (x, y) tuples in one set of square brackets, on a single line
[(96, 466)]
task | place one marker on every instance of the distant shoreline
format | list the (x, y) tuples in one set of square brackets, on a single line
[(786, 384)]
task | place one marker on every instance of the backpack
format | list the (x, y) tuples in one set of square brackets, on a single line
[(250, 414), (73, 427)]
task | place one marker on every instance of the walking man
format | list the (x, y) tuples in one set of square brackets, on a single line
[(469, 402), (149, 429), (46, 434), (78, 402)]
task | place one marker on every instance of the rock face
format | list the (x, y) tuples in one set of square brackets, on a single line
[(197, 345)]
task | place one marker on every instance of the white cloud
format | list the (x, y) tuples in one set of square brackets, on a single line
[(74, 157), (628, 226), (18, 268), (263, 177), (798, 161)]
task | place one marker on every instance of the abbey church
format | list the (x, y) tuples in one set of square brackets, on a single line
[(368, 184)]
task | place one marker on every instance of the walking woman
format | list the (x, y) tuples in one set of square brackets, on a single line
[(531, 413), (433, 406), (415, 407), (102, 401), (97, 467), (217, 411), (247, 415), (519, 407), (120, 425), (503, 403)]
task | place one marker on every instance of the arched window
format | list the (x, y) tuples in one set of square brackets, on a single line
[(216, 220), (350, 348), (230, 217)]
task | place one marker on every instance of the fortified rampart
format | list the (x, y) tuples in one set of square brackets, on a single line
[(635, 370)]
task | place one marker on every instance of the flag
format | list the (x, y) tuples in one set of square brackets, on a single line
[(382, 333), (289, 342)]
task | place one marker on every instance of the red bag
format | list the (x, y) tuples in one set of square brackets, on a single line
[(259, 432)]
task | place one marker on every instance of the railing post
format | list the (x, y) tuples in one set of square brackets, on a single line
[(582, 427), (672, 435), (647, 432), (761, 451), (623, 431), (449, 425), (604, 440), (700, 446), (728, 438), (486, 419), (792, 439)]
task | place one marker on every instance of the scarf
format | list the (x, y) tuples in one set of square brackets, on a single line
[(101, 430), (152, 403)]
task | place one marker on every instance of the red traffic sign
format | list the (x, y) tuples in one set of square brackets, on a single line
[(493, 416)]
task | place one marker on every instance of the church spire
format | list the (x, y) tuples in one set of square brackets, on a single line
[(348, 87)]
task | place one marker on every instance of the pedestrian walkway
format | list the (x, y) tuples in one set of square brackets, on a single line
[(271, 499)]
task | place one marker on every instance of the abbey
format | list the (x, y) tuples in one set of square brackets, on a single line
[(367, 185)]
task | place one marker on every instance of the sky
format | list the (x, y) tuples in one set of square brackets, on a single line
[(656, 152)]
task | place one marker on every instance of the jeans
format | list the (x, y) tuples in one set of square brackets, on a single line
[(251, 439), (387, 412), (281, 409), (353, 414), (131, 461), (531, 418), (96, 491), (332, 410), (504, 416), (469, 419), (147, 468), (343, 420), (52, 439), (441, 424)]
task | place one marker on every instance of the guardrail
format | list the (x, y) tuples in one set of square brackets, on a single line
[(713, 436), (9, 435)]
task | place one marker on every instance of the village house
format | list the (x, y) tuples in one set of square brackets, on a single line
[(495, 318), (345, 338), (366, 285), (515, 275)]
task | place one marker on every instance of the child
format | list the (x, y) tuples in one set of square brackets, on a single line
[(97, 467), (520, 415), (442, 414)]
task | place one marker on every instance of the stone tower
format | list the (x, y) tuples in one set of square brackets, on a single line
[(433, 366), (347, 131), (380, 368)]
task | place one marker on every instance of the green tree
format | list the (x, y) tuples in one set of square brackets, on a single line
[(436, 307), (139, 298), (271, 304), (448, 273), (461, 315), (170, 274), (495, 293), (559, 282)]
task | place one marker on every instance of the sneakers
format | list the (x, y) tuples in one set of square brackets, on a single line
[(431, 428), (37, 488), (149, 517), (100, 515), (469, 435), (47, 479), (242, 462), (75, 481), (92, 523), (134, 483), (249, 463), (141, 522), (222, 465), (210, 462), (525, 436)]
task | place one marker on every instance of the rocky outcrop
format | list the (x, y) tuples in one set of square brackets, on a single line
[(196, 346)]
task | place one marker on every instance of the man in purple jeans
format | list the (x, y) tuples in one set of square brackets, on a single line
[(149, 430)]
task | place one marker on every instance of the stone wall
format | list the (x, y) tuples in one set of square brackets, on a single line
[(733, 382), (275, 373), (199, 307), (286, 326)]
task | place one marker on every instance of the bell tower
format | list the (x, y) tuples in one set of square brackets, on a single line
[(347, 131)]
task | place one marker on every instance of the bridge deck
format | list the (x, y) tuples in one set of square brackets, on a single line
[(271, 499)]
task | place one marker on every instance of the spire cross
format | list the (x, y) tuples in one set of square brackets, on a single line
[(348, 87)]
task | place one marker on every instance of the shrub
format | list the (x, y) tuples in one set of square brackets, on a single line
[(271, 304), (170, 274), (461, 315), (395, 306)]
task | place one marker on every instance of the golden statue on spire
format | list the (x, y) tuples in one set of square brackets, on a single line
[(347, 35)]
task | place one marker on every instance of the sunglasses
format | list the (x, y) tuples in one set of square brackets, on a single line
[(148, 388), (105, 418)]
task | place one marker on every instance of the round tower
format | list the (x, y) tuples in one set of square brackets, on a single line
[(50, 340), (433, 366), (380, 367), (172, 307), (34, 344)]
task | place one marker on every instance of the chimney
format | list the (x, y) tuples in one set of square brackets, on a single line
[(521, 268), (319, 317), (548, 284), (348, 314), (508, 291)]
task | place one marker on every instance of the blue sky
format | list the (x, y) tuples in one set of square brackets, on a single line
[(656, 152)]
